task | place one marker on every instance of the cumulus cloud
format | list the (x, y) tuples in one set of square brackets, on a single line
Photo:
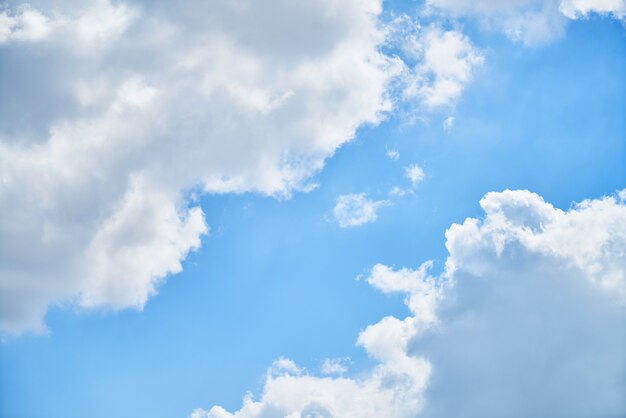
[(538, 309), (125, 108), (353, 210), (120, 111), (526, 319), (444, 64)]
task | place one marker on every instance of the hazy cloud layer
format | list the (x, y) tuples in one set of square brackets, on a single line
[(527, 316)]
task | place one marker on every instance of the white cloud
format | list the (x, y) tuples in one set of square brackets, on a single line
[(144, 240), (118, 111), (292, 395), (529, 21), (25, 25), (353, 210), (590, 238), (414, 173), (95, 24), (397, 191), (527, 316), (577, 9), (448, 123), (445, 63), (534, 322)]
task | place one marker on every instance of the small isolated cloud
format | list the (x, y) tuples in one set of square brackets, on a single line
[(393, 154), (447, 124), (353, 210), (414, 173), (445, 62), (527, 316), (335, 366)]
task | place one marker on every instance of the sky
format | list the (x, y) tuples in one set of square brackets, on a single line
[(312, 209)]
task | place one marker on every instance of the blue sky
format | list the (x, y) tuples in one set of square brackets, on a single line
[(277, 277)]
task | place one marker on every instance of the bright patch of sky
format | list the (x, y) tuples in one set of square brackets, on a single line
[(321, 209)]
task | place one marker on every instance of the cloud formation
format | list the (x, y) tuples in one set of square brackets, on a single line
[(393, 154), (532, 22), (579, 9), (526, 318), (334, 366), (122, 111), (353, 210), (414, 173), (440, 63)]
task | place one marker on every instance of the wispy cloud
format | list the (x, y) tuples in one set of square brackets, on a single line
[(352, 210), (414, 173)]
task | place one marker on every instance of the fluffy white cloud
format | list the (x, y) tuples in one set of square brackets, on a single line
[(444, 63), (525, 320), (356, 209), (448, 123), (534, 322), (297, 394), (120, 111)]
